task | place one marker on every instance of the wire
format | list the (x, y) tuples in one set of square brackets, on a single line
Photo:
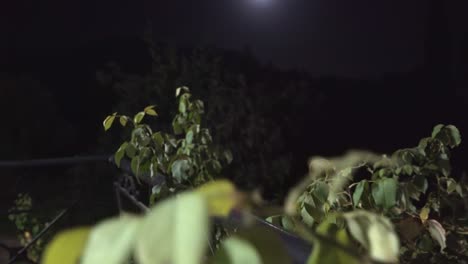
[(54, 161)]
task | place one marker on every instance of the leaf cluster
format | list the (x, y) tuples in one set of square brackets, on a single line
[(412, 187), (184, 158)]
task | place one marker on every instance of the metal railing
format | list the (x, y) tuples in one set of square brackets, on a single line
[(19, 253), (298, 249)]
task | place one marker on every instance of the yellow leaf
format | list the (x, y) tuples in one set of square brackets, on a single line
[(424, 214), (221, 197), (66, 247), (149, 110), (123, 120), (108, 121)]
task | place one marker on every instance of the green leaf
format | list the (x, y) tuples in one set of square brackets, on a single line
[(420, 182), (436, 130), (180, 169), (182, 89), (182, 106), (141, 137), (235, 250), (108, 121), (376, 233), (176, 126), (412, 191), (189, 137), (216, 166), (449, 135), (275, 220), (437, 233), (321, 191), (228, 156), (205, 136), (306, 217), (138, 117), (120, 154), (384, 192), (287, 224), (112, 241), (149, 110), (159, 139), (425, 243), (123, 120), (455, 137), (130, 150), (167, 233), (451, 185), (357, 194), (328, 253), (315, 212), (135, 165), (383, 241), (266, 243)]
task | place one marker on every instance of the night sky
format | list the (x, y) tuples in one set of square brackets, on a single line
[(408, 60), (362, 38)]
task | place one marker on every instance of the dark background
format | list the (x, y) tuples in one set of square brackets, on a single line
[(386, 71)]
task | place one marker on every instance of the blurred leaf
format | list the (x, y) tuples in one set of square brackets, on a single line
[(287, 223), (167, 233), (267, 244), (275, 220), (412, 192), (180, 170), (459, 190), (306, 217), (182, 106), (135, 165), (221, 196), (375, 233), (235, 250), (115, 235), (108, 121), (384, 192), (383, 241), (189, 137), (138, 117), (315, 212), (451, 184), (328, 253), (321, 191), (437, 233), (425, 243), (66, 247), (228, 156), (420, 182), (424, 214), (358, 192)]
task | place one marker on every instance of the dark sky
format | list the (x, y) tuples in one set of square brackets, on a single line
[(343, 37)]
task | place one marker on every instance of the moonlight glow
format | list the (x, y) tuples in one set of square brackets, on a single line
[(261, 3)]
